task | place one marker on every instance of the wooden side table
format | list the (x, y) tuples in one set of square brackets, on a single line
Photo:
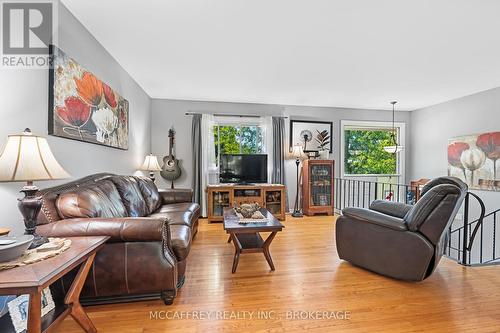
[(32, 279)]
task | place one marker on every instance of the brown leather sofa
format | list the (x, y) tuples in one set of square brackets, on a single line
[(401, 241), (151, 232)]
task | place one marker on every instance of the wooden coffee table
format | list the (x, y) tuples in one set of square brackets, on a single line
[(32, 279), (246, 237)]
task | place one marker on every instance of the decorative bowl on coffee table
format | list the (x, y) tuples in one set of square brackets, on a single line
[(14, 247)]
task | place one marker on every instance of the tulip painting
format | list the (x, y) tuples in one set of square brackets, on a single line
[(106, 122), (75, 113), (489, 143), (455, 151), (89, 88), (109, 95), (474, 158), (83, 107)]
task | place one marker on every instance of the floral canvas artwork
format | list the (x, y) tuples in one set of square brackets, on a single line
[(82, 107), (474, 159)]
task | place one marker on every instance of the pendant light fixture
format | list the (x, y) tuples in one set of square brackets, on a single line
[(395, 147)]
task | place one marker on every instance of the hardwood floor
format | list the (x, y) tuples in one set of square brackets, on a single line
[(309, 276)]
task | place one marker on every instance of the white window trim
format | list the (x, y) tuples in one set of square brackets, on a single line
[(401, 126), (266, 125)]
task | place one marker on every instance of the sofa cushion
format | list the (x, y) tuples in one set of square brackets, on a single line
[(179, 207), (49, 212), (180, 218), (99, 199), (149, 193), (131, 195)]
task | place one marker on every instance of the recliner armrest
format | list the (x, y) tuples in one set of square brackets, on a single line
[(375, 217), (396, 209), (127, 229), (176, 195)]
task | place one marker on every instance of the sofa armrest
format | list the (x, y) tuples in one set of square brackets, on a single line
[(176, 195), (374, 217), (127, 229), (396, 209)]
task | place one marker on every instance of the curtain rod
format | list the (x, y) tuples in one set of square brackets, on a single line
[(228, 115)]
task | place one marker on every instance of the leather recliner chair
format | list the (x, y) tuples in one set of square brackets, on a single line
[(398, 240), (151, 232)]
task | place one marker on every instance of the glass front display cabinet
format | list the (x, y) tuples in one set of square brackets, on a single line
[(317, 187)]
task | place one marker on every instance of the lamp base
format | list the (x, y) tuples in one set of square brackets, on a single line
[(296, 210), (37, 241), (152, 176), (30, 206)]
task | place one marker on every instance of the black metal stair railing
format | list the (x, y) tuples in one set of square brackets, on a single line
[(360, 193), (462, 246), (473, 243)]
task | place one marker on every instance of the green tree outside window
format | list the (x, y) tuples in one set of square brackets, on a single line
[(238, 140), (365, 154)]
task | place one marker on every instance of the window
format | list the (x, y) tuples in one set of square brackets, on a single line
[(365, 154), (363, 151), (238, 139)]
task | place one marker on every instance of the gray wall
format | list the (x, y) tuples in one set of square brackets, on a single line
[(431, 128), (24, 104), (166, 113)]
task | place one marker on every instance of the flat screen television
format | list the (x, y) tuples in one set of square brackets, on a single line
[(243, 169)]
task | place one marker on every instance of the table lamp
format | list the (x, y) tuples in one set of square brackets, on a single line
[(151, 164), (297, 153), (26, 158)]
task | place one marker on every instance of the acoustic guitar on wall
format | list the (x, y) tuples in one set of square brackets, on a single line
[(171, 169)]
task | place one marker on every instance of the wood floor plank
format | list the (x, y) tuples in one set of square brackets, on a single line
[(309, 276)]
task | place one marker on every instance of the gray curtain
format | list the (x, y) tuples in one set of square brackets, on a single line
[(279, 151), (197, 167)]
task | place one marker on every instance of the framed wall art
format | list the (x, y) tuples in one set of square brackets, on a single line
[(82, 107), (475, 160), (312, 135)]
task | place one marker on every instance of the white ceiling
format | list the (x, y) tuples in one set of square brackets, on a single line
[(345, 53)]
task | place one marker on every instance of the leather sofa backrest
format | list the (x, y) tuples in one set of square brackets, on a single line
[(49, 212), (433, 214), (98, 199), (139, 196), (150, 194), (131, 195)]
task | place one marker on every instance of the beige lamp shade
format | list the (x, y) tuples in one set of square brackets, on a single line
[(28, 157), (150, 163), (297, 151)]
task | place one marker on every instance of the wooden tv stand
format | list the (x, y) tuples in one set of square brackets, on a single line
[(269, 196)]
